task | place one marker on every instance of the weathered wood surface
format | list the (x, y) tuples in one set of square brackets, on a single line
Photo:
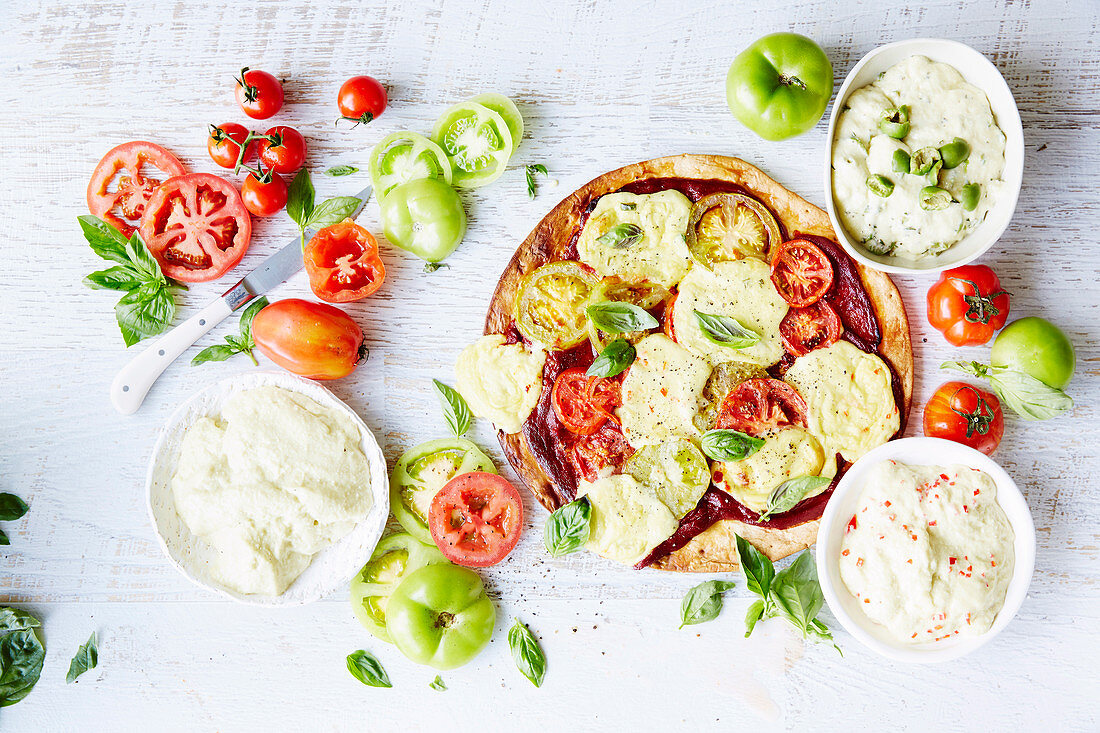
[(600, 85)]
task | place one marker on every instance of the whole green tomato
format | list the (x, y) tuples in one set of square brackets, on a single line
[(1037, 347), (780, 85), (441, 616), (425, 217)]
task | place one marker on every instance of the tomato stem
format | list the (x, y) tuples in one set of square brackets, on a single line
[(250, 92), (362, 119), (248, 139), (979, 420), (980, 308)]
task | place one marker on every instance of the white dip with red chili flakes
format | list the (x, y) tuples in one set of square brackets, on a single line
[(928, 552)]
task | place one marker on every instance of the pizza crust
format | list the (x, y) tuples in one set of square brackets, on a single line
[(714, 550)]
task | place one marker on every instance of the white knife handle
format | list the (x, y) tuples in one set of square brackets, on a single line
[(133, 382)]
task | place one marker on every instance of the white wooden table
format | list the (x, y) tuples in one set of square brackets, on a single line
[(600, 85)]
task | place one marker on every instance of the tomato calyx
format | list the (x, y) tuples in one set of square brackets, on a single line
[(981, 418), (361, 120), (251, 93), (980, 308)]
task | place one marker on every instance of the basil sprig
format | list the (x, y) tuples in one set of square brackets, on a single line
[(368, 670), (567, 529), (792, 593), (527, 653), (703, 602), (147, 308), (87, 657), (530, 171), (787, 495), (21, 655), (1030, 398), (243, 344), (614, 316), (615, 357), (455, 410), (729, 445), (621, 236), (338, 171), (303, 211), (726, 331)]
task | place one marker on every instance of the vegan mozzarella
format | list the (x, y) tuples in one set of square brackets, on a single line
[(787, 453), (501, 382), (661, 392), (628, 520)]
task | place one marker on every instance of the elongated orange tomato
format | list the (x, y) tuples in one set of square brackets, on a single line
[(313, 340)]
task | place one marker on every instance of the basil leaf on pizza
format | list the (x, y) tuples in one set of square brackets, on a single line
[(621, 236), (617, 317), (726, 331), (614, 359), (787, 495), (729, 445)]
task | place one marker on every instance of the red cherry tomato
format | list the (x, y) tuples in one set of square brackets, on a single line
[(361, 99), (968, 305), (813, 327), (757, 405), (605, 448), (224, 144), (476, 519), (284, 150), (126, 166), (801, 272), (313, 340), (343, 263), (259, 94), (668, 326), (264, 194), (965, 414), (196, 226), (583, 403)]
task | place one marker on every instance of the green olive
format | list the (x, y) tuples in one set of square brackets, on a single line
[(923, 160), (954, 153), (934, 198), (932, 177), (970, 195), (895, 122), (880, 185), (901, 161)]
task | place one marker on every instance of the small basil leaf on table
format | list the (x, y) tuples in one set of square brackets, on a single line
[(21, 658), (567, 528), (87, 657), (14, 619), (4, 538), (756, 566), (527, 653), (755, 612), (437, 683), (729, 445), (11, 507), (703, 602), (617, 317), (726, 331), (787, 495), (217, 352), (614, 359), (300, 199), (233, 344), (338, 171), (368, 670), (530, 171), (621, 236), (455, 410)]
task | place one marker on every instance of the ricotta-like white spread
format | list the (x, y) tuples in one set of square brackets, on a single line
[(501, 382), (942, 107), (268, 483), (929, 552)]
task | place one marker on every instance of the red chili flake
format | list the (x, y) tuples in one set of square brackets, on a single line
[(937, 627), (945, 477), (845, 553), (968, 619), (966, 508), (886, 503), (992, 564), (866, 600), (664, 391), (951, 560), (859, 563), (969, 568), (932, 523), (914, 537), (914, 635), (851, 524), (977, 491), (910, 561)]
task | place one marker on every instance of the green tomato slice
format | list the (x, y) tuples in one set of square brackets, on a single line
[(422, 471), (676, 470), (507, 109), (643, 295), (406, 156), (477, 141), (551, 302), (394, 558)]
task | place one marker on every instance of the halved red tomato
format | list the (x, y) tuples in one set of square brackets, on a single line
[(809, 328), (801, 272), (584, 403), (343, 263), (476, 519), (197, 227), (123, 182), (757, 405), (606, 448)]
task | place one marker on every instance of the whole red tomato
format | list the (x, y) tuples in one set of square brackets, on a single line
[(259, 94), (361, 99), (283, 149), (224, 144), (314, 340), (264, 193), (965, 414), (968, 305)]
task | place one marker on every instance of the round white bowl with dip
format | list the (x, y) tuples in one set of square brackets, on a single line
[(332, 568), (844, 502), (978, 71)]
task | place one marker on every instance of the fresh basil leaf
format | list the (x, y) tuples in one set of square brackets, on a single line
[(527, 653), (703, 602), (147, 311), (14, 619), (758, 569), (142, 259), (755, 612), (11, 507), (104, 239), (217, 352), (333, 211), (615, 316), (614, 359), (246, 319), (437, 684), (729, 445), (621, 236), (529, 172), (87, 657), (797, 593), (455, 410), (21, 657), (566, 530), (726, 331), (368, 670), (300, 197), (116, 277), (338, 171), (4, 538), (787, 495)]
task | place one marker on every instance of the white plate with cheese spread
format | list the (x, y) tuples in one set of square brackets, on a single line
[(845, 503), (331, 567), (977, 70)]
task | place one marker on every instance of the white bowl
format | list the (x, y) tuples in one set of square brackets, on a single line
[(332, 568), (977, 70), (844, 502)]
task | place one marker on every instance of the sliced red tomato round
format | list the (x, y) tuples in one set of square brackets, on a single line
[(197, 227), (476, 519), (584, 403), (122, 183), (604, 449), (757, 405), (809, 328), (801, 272), (343, 263)]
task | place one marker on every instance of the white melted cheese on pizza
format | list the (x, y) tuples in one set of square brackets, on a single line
[(661, 392)]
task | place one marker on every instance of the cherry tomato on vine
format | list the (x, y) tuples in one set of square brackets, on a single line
[(224, 144), (264, 193), (968, 305), (361, 99), (259, 94), (283, 149), (965, 414)]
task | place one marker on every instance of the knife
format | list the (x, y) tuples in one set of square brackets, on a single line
[(133, 382)]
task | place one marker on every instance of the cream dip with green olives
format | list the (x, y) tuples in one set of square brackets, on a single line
[(917, 160)]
